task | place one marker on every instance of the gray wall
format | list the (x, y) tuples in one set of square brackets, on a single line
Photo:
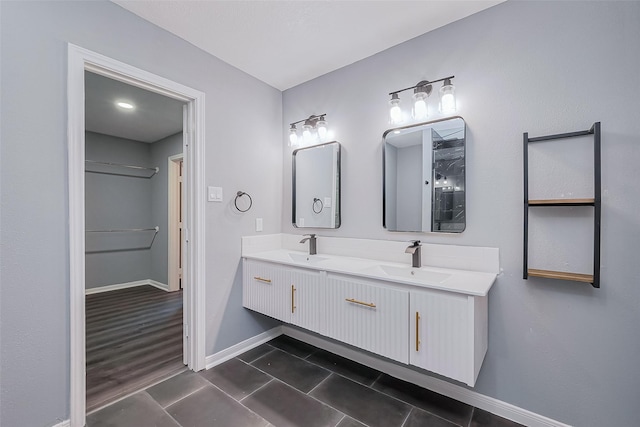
[(117, 201), (34, 310), (160, 152), (560, 349)]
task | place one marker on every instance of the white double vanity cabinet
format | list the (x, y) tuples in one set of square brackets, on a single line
[(431, 317)]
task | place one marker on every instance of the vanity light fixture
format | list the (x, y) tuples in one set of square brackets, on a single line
[(314, 129), (421, 92)]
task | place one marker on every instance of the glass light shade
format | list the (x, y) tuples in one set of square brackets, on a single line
[(306, 133), (293, 137), (420, 105), (395, 113), (447, 97), (321, 127)]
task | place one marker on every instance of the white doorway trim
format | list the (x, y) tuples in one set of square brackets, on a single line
[(79, 61)]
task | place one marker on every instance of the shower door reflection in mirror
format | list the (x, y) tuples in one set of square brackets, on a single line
[(424, 177)]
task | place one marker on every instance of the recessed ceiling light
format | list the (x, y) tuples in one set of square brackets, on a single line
[(125, 105)]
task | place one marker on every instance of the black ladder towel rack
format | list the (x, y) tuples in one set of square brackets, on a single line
[(595, 202)]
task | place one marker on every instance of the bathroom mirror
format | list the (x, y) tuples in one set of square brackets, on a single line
[(424, 177), (316, 186)]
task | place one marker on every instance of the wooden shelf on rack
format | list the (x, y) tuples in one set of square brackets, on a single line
[(562, 275), (562, 202)]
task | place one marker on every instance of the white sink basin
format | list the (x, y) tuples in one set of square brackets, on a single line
[(304, 258), (421, 274)]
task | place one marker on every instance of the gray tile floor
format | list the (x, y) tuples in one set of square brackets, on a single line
[(289, 383)]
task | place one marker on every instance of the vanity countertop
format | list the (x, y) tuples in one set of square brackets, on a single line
[(461, 281)]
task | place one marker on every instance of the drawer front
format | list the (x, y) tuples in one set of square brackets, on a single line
[(367, 316), (264, 289)]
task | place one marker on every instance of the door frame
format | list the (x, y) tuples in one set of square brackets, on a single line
[(79, 61), (173, 165)]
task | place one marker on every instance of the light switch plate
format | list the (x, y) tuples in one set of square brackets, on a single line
[(327, 202), (258, 224), (214, 194)]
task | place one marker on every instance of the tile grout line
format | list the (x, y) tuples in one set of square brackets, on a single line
[(407, 417), (183, 397), (240, 403), (424, 410), (318, 385), (340, 420), (255, 391), (473, 411), (257, 358)]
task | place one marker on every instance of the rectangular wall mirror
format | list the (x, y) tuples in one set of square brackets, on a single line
[(316, 186), (424, 177)]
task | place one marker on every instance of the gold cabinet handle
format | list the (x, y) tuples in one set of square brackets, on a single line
[(262, 279), (417, 331), (368, 304), (293, 298)]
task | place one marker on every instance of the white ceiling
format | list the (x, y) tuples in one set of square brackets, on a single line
[(285, 43), (153, 118)]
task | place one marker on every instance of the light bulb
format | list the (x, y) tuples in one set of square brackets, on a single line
[(395, 113), (306, 133), (125, 105), (420, 105), (293, 136), (447, 97), (321, 126)]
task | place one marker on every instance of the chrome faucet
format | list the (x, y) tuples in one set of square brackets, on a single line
[(415, 249), (312, 243)]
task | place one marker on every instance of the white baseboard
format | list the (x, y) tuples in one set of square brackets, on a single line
[(470, 397), (231, 352), (159, 285), (133, 284), (66, 423)]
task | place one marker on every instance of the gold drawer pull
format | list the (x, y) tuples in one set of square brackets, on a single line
[(262, 280), (355, 301), (293, 298), (417, 331)]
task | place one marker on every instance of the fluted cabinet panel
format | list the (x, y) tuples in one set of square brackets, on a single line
[(442, 332), (444, 325), (266, 289), (371, 317), (304, 299)]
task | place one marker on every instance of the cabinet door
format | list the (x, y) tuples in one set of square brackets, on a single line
[(304, 294), (265, 289), (441, 333), (367, 316)]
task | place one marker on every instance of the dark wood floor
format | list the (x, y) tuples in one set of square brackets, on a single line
[(134, 339)]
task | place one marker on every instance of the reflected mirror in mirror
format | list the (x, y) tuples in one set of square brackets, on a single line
[(316, 186), (424, 177)]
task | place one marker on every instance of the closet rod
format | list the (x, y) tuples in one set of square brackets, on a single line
[(156, 229), (155, 170)]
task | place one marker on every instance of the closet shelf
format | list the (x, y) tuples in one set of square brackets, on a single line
[(561, 275), (562, 202)]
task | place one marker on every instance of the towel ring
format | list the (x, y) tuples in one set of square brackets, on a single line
[(315, 202), (240, 194)]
